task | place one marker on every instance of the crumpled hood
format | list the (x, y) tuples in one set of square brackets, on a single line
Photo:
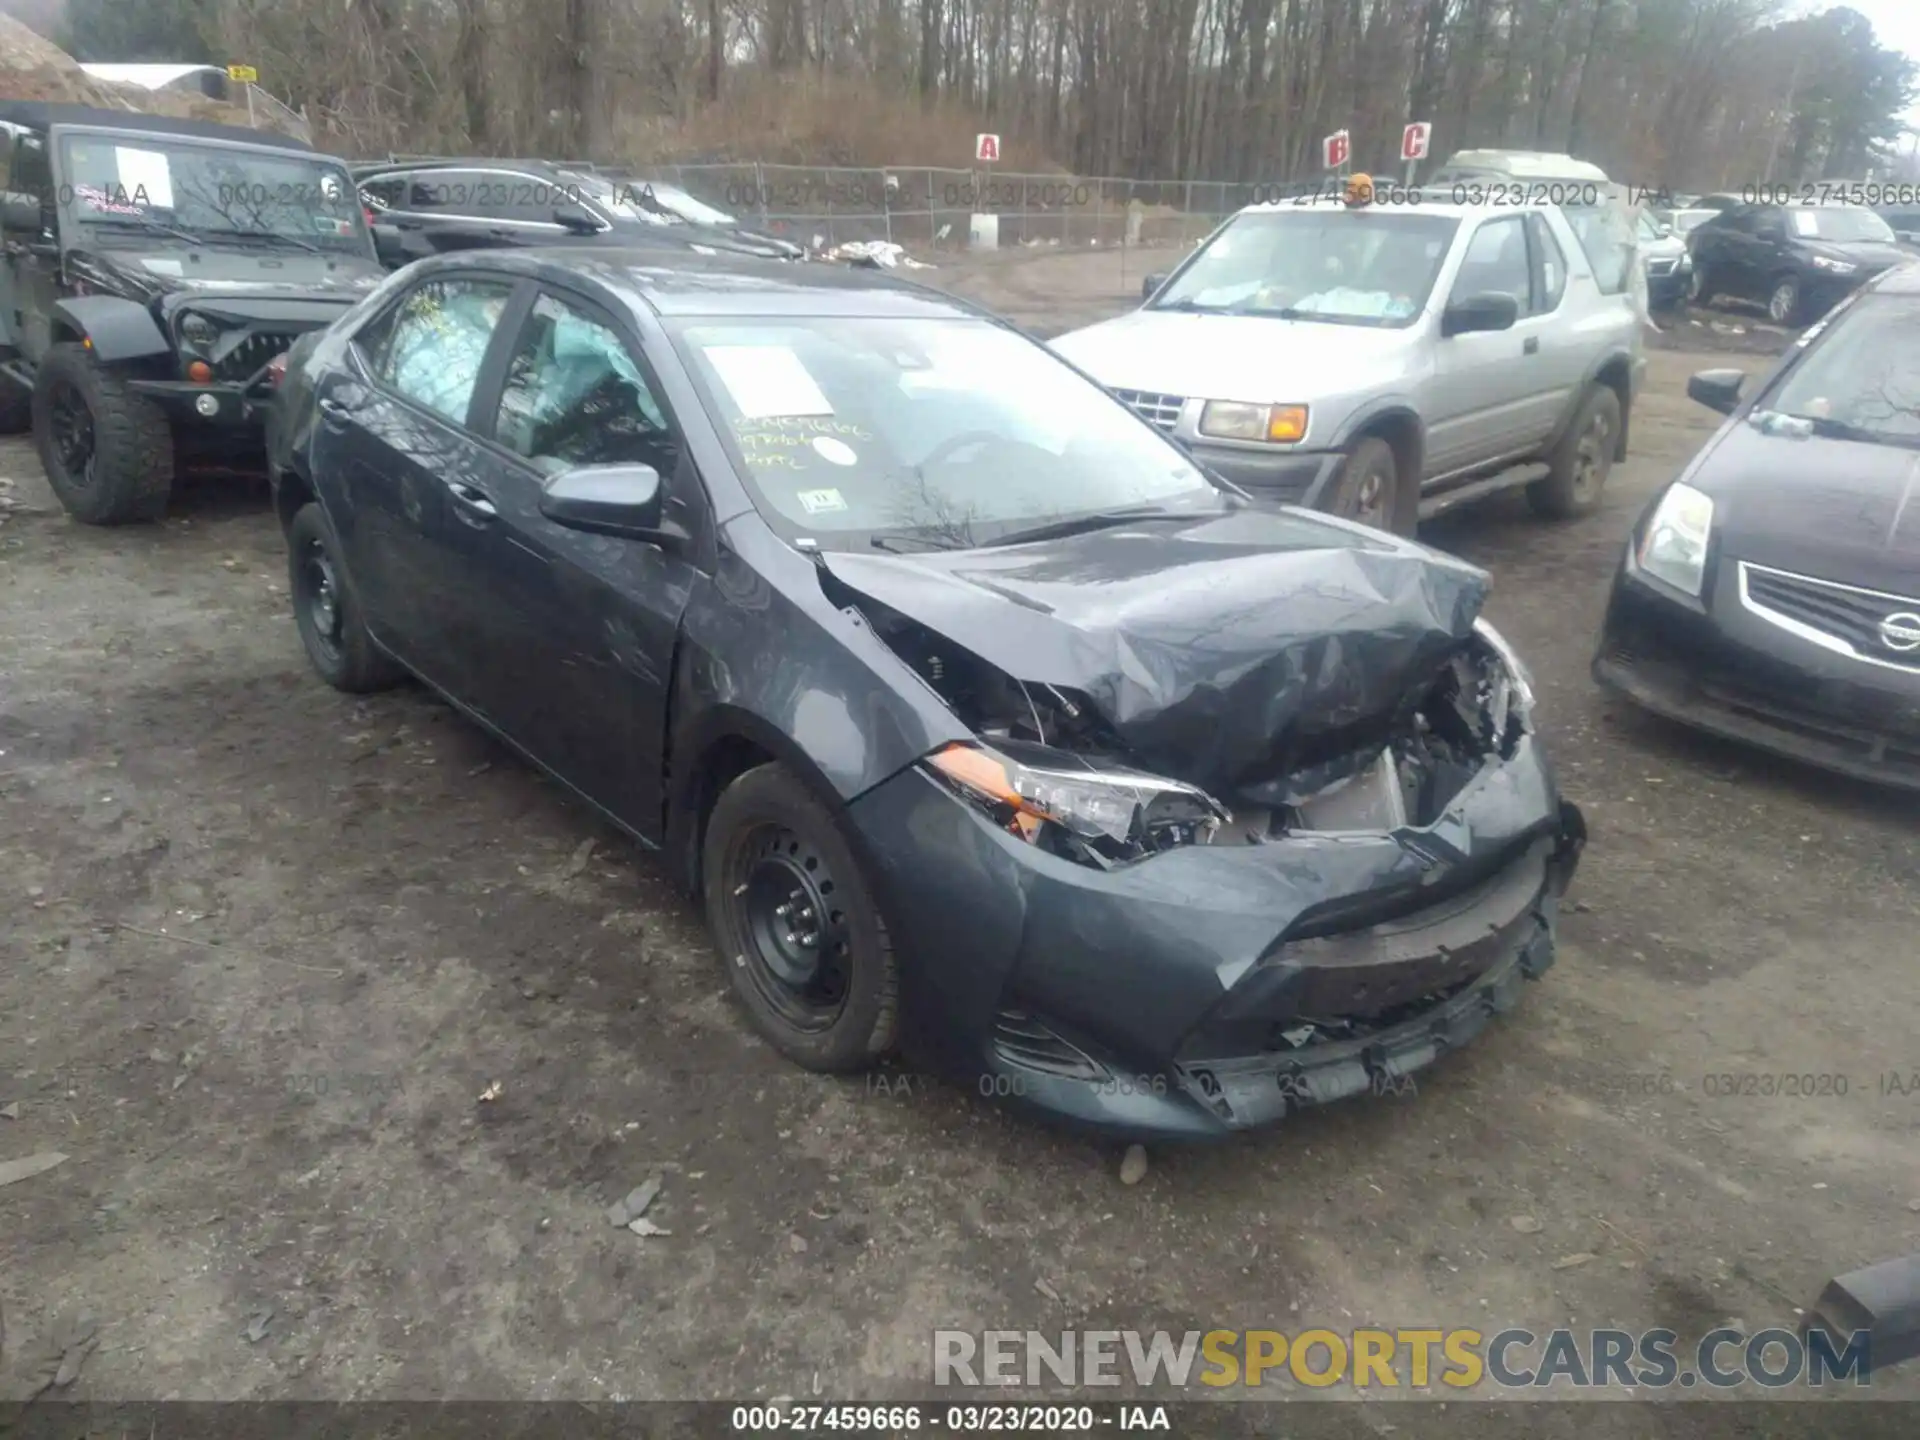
[(1234, 357), (1225, 651)]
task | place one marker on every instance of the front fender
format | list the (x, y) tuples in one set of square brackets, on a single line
[(118, 329)]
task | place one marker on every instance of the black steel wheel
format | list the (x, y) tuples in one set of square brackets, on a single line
[(331, 630)]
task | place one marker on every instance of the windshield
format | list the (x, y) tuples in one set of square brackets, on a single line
[(1842, 223), (1864, 381), (943, 433), (621, 200), (150, 182), (1337, 266), (669, 197)]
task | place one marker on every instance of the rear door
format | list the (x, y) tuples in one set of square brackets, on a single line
[(1485, 403), (575, 632), (395, 458)]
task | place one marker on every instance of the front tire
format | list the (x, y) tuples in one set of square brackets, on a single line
[(326, 612), (108, 452), (1784, 301), (797, 925), (1581, 461), (1371, 490)]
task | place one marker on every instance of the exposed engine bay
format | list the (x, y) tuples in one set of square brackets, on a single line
[(1378, 772)]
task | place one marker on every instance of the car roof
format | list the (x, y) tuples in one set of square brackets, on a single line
[(674, 284), (476, 162), (41, 114)]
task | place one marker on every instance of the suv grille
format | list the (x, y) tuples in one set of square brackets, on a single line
[(245, 360), (1162, 411), (1842, 613)]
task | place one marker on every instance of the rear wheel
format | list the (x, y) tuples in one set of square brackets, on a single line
[(108, 452), (1581, 461), (1371, 490), (797, 926), (326, 614)]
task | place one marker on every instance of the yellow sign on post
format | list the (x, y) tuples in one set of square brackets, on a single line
[(243, 72)]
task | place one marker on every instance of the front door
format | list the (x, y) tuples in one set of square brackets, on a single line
[(578, 630), (1484, 406)]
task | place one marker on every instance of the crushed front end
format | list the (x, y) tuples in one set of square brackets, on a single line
[(1127, 951)]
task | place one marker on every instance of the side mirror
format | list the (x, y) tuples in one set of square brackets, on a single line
[(1151, 284), (576, 219), (20, 212), (389, 246), (1717, 389), (621, 500), (1489, 310)]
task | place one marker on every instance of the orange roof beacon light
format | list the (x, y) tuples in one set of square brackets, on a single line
[(1359, 191)]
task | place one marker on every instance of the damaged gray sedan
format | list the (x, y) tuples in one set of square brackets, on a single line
[(986, 726)]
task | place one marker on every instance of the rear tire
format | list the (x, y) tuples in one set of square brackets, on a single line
[(1581, 460), (326, 612), (108, 452), (1370, 489), (797, 927)]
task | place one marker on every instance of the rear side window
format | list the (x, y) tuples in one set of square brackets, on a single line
[(1606, 237), (389, 192), (430, 346)]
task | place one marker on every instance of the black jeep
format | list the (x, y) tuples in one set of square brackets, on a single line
[(156, 271)]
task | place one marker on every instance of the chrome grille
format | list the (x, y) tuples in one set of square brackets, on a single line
[(1840, 617), (1162, 411)]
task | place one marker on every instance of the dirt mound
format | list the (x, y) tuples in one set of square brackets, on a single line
[(32, 67)]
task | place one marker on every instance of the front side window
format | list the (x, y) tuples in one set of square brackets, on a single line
[(134, 185), (1335, 266), (1550, 260), (574, 396), (1496, 263), (429, 348), (943, 433), (1863, 381)]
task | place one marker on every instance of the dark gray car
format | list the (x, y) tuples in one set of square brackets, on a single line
[(155, 272)]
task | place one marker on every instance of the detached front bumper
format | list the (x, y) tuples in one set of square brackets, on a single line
[(1725, 669), (1214, 988)]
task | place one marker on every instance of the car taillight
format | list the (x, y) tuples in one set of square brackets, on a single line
[(277, 369)]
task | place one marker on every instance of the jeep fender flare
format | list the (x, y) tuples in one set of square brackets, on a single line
[(116, 329)]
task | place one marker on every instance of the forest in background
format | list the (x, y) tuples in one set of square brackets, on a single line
[(1684, 93)]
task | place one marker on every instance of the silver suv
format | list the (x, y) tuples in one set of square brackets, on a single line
[(1385, 361)]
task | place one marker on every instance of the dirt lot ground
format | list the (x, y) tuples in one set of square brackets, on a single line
[(263, 947)]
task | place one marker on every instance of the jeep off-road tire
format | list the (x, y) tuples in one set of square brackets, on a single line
[(326, 612), (16, 407), (797, 925), (108, 452), (1581, 461)]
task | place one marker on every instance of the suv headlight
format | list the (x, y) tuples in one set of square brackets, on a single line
[(1835, 267), (197, 330), (1674, 549), (1098, 817), (1519, 700), (1236, 420)]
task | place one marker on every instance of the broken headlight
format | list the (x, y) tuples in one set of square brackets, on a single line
[(1516, 698), (1096, 816)]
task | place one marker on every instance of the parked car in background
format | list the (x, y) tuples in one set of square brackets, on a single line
[(1797, 260), (678, 206), (1373, 360), (423, 208), (880, 622), (1668, 265), (1904, 221), (1690, 218), (1771, 593), (154, 273)]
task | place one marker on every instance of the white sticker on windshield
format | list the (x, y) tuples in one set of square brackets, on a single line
[(163, 267), (145, 175), (1805, 222), (767, 381), (837, 452), (820, 502)]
